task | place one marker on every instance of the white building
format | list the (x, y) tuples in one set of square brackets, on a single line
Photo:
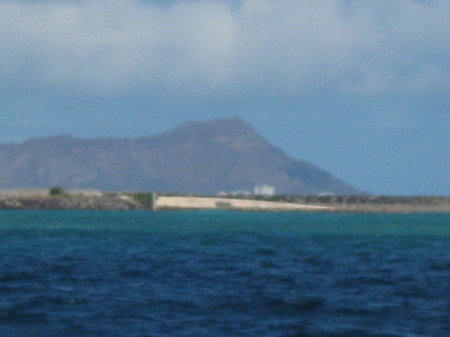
[(264, 190), (234, 193)]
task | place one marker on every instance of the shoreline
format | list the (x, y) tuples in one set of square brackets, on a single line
[(35, 199)]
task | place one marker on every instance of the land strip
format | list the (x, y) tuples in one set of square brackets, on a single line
[(183, 202), (99, 200)]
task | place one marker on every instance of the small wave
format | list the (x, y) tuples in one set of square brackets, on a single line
[(265, 251), (306, 304), (18, 276), (15, 318)]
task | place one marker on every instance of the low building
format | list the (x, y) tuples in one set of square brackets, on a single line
[(264, 190)]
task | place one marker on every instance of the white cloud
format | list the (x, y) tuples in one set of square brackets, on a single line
[(283, 48)]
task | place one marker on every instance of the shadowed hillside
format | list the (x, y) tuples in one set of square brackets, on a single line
[(197, 157)]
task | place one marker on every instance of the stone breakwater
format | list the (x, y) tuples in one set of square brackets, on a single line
[(374, 203), (75, 202)]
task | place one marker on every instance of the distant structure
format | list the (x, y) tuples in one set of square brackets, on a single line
[(326, 194), (264, 190), (234, 193)]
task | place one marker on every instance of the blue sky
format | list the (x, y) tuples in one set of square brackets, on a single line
[(359, 88)]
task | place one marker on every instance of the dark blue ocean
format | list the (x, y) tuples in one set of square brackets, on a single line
[(219, 273)]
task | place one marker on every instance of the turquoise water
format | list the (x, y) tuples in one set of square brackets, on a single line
[(217, 273)]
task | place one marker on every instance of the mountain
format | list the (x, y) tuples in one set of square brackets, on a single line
[(197, 157)]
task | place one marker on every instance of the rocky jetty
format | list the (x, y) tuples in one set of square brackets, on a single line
[(370, 203), (72, 201)]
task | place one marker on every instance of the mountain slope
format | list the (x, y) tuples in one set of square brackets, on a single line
[(197, 157)]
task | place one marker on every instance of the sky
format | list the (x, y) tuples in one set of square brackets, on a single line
[(360, 88)]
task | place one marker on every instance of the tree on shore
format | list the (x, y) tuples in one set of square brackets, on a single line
[(55, 191), (145, 199)]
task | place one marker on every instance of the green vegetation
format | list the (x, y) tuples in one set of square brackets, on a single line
[(55, 191), (145, 199)]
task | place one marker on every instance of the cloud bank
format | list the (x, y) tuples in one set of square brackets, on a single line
[(283, 48)]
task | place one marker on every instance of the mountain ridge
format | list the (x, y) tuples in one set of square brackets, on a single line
[(195, 157)]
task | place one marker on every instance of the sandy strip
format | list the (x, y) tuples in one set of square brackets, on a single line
[(238, 204)]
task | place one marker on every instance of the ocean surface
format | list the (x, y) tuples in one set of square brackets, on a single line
[(219, 273)]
